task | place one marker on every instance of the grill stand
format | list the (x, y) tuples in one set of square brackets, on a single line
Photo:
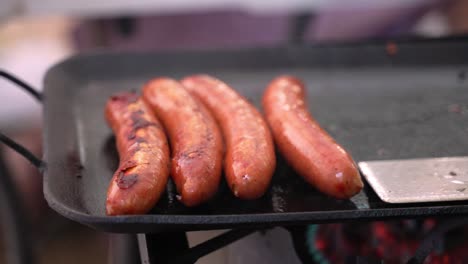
[(172, 247)]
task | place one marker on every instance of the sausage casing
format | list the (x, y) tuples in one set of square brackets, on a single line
[(250, 155), (143, 150), (196, 141), (309, 149)]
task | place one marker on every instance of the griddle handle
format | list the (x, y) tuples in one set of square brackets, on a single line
[(38, 163)]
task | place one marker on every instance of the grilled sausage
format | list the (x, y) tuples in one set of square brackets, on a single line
[(250, 157), (304, 144), (196, 142), (143, 170)]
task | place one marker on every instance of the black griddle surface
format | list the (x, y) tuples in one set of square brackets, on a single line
[(410, 105)]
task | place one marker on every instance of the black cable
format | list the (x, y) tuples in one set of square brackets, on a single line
[(17, 237), (38, 163), (28, 88), (16, 228)]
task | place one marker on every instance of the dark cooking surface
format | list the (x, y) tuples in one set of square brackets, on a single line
[(412, 104)]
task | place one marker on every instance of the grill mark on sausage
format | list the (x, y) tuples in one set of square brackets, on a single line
[(140, 140), (139, 122), (125, 97), (131, 135), (128, 164), (198, 152), (126, 181)]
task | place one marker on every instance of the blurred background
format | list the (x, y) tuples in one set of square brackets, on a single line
[(35, 34)]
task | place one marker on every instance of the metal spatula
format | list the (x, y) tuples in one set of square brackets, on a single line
[(418, 180)]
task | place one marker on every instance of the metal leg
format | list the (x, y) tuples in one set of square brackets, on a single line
[(173, 247), (298, 235), (16, 229), (123, 249), (162, 247)]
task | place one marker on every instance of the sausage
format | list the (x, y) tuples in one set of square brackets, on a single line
[(311, 151), (195, 138), (143, 150), (250, 155)]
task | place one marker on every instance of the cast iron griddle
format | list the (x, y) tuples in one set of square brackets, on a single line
[(411, 104)]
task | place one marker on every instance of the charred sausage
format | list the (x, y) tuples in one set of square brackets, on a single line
[(250, 158), (143, 169), (196, 141), (310, 150)]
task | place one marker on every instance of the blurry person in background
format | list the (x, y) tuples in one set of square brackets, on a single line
[(333, 22)]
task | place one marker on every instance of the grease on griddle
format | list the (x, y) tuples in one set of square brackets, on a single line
[(382, 152), (391, 48), (462, 75), (455, 108), (74, 164)]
